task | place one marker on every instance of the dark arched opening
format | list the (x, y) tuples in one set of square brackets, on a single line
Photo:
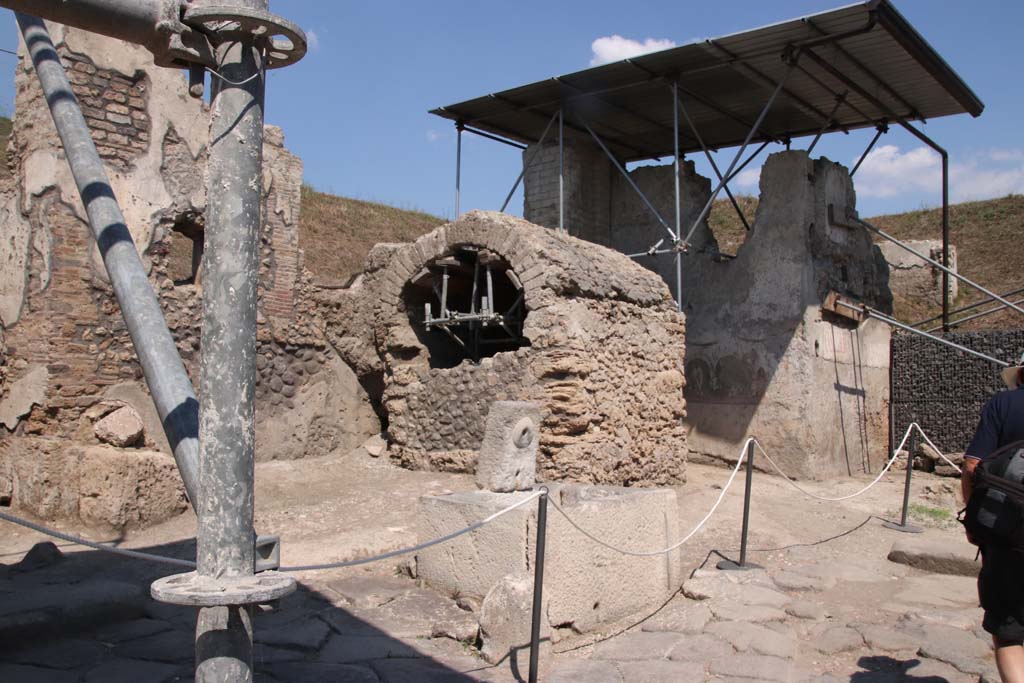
[(467, 304)]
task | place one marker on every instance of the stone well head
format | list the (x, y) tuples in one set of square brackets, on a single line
[(581, 330)]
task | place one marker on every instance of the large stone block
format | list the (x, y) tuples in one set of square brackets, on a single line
[(583, 581), (508, 454), (472, 563)]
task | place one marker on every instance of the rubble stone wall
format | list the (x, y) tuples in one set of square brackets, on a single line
[(763, 359), (914, 278), (67, 359), (605, 357)]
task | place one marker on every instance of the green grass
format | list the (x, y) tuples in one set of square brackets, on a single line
[(336, 233), (929, 513)]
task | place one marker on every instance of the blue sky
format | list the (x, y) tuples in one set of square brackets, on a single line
[(355, 109)]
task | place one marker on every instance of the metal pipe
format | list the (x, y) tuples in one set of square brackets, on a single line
[(839, 102), (746, 503), (757, 124), (892, 403), (711, 160), (968, 307), (134, 21), (911, 447), (679, 209), (961, 321), (878, 315), (538, 585), (165, 375), (561, 170), (935, 263), (882, 129), (458, 166), (227, 373), (629, 180), (496, 138), (526, 165)]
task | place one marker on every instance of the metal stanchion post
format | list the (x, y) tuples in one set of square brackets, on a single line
[(903, 526), (538, 584), (742, 564)]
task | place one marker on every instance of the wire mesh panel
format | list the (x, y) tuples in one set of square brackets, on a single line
[(943, 389)]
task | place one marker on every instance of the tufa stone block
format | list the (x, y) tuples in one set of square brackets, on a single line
[(508, 454)]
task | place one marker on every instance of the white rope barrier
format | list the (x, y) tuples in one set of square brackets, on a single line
[(419, 546), (852, 495), (487, 520), (935, 448), (105, 547), (650, 553)]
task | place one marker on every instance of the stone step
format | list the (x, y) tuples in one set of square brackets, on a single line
[(940, 557)]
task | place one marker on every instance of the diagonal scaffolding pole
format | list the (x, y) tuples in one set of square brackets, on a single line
[(711, 159), (165, 374), (529, 162), (944, 269), (882, 129), (625, 174), (729, 172)]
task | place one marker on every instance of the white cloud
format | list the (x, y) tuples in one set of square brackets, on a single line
[(888, 172), (615, 48), (312, 40), (433, 136), (749, 178)]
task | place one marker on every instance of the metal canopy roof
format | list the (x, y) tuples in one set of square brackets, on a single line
[(867, 54)]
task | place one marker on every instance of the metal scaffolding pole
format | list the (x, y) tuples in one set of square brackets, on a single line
[(458, 166), (561, 169), (882, 128), (155, 348), (921, 256), (625, 174), (526, 166), (679, 209), (728, 173)]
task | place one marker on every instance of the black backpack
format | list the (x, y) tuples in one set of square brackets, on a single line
[(995, 513)]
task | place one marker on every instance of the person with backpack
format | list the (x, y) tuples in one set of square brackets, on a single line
[(993, 490)]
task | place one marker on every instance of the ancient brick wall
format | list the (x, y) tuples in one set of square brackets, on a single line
[(943, 389), (914, 278), (67, 359)]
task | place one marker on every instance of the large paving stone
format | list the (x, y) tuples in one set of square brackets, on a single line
[(169, 646), (956, 647), (939, 590), (130, 630), (345, 623), (370, 591), (794, 581), (660, 672), (421, 614), (633, 646), (730, 610), (680, 616), (589, 670), (67, 653), (701, 648), (885, 639), (933, 555), (302, 634), (428, 671), (343, 650), (317, 672), (806, 609), (834, 639), (35, 674), (715, 588), (754, 638), (265, 654), (753, 666), (131, 671)]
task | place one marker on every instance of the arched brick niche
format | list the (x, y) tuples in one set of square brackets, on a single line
[(604, 354)]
